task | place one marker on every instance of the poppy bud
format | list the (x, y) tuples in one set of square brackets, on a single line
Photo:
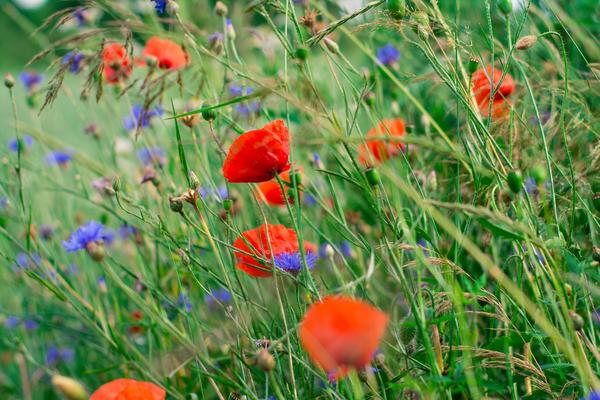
[(538, 173), (95, 251), (209, 115), (265, 360), (69, 388), (396, 8), (9, 80), (332, 46), (221, 9), (296, 177), (473, 65), (577, 320), (301, 53), (505, 6), (373, 177), (596, 201), (176, 204), (515, 181), (116, 184), (194, 181), (228, 205), (526, 42)]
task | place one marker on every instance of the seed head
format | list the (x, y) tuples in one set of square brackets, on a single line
[(526, 42)]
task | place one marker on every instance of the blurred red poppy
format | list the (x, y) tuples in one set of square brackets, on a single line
[(168, 54), (117, 65), (271, 192), (255, 244), (259, 155), (341, 333), (379, 150), (128, 389), (482, 88)]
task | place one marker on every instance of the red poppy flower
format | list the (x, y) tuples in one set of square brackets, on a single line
[(480, 82), (259, 155), (271, 192), (341, 333), (381, 150), (128, 389), (169, 55), (254, 248), (117, 65)]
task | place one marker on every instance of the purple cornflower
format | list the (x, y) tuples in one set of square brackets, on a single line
[(309, 200), (220, 194), (345, 248), (3, 202), (544, 118), (592, 396), (30, 325), (11, 322), (72, 269), (75, 59), (243, 108), (531, 187), (152, 155), (127, 230), (102, 284), (46, 231), (24, 261), (58, 157), (142, 117), (292, 262), (160, 5), (80, 16), (183, 301), (56, 355), (91, 232), (31, 80), (217, 296), (25, 143), (388, 54), (215, 42)]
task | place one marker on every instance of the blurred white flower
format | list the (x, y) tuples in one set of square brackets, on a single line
[(518, 5), (30, 3), (352, 5)]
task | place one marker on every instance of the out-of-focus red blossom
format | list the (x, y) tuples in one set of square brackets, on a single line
[(342, 333), (282, 240), (259, 155), (116, 63), (128, 389), (379, 150), (168, 54), (271, 192), (480, 83)]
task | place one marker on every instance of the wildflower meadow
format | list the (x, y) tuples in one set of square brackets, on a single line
[(300, 199)]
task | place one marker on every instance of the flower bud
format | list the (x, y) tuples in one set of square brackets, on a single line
[(9, 80), (172, 7), (116, 184), (515, 181), (194, 181), (332, 46), (185, 259), (568, 289), (577, 320), (176, 204), (373, 177), (230, 30), (396, 8), (526, 42), (328, 250), (369, 99), (265, 360), (69, 388), (151, 61), (538, 173), (221, 9), (96, 251), (209, 115), (301, 53), (228, 205), (505, 6), (473, 65)]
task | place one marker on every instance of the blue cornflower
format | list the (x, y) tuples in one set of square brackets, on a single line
[(142, 117), (127, 230), (346, 249), (24, 261), (46, 232), (160, 5), (592, 396), (30, 325), (58, 157), (26, 142), (309, 200), (11, 322), (220, 194), (388, 54), (80, 16), (31, 80), (55, 355), (75, 59), (152, 155), (292, 262), (217, 296), (531, 187), (183, 301), (215, 42), (91, 232), (244, 108), (3, 202)]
